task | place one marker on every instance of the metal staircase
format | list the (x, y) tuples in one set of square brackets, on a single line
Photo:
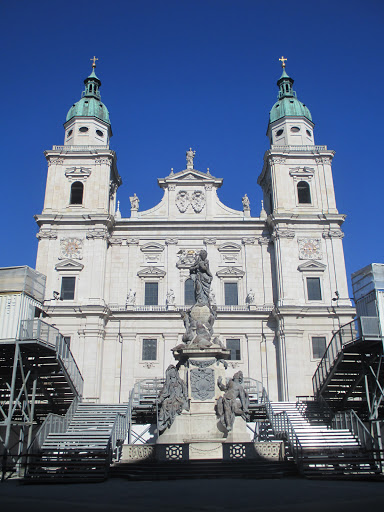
[(319, 449), (85, 450)]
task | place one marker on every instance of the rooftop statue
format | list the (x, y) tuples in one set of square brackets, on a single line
[(190, 156)]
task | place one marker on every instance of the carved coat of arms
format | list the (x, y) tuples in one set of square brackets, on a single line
[(182, 201), (198, 200), (202, 383)]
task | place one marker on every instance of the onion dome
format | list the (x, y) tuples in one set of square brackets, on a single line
[(90, 104), (287, 105)]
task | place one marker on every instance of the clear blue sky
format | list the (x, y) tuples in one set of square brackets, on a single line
[(202, 73)]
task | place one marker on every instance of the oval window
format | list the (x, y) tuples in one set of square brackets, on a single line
[(295, 129), (99, 133), (309, 133), (69, 133), (83, 129), (279, 132)]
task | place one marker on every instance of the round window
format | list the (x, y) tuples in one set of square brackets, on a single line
[(99, 133), (295, 129), (69, 133), (279, 132), (83, 129), (309, 133)]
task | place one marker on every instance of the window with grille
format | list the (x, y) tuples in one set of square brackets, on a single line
[(313, 288), (319, 345), (68, 288), (234, 347), (149, 350), (151, 294), (231, 294)]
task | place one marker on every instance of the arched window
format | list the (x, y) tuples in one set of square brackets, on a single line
[(77, 190), (304, 192), (189, 292)]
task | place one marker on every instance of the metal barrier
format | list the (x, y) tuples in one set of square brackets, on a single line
[(360, 328), (48, 335)]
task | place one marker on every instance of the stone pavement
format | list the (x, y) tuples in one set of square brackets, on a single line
[(222, 495)]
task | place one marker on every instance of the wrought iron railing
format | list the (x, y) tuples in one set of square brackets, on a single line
[(183, 307), (360, 328), (50, 336), (283, 428)]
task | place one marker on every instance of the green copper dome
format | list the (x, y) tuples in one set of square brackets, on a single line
[(287, 105), (90, 104)]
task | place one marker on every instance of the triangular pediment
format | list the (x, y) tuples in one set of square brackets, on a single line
[(312, 266), (192, 176), (77, 173), (230, 272), (151, 272), (71, 265)]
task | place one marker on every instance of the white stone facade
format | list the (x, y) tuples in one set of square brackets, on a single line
[(269, 258)]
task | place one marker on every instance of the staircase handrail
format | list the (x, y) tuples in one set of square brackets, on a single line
[(53, 423), (50, 336), (282, 426), (351, 421), (253, 386), (348, 333), (135, 394), (119, 430)]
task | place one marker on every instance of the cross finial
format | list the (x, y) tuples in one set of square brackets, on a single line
[(283, 59), (94, 62)]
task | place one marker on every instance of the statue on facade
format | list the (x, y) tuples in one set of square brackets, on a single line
[(246, 203), (134, 202), (250, 297), (131, 298), (173, 398), (234, 402), (170, 300), (202, 278)]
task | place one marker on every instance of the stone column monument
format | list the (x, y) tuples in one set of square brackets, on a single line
[(198, 406)]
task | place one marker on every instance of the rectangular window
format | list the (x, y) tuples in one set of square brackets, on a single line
[(149, 350), (151, 294), (313, 288), (68, 288), (319, 345), (234, 347), (231, 296), (67, 340)]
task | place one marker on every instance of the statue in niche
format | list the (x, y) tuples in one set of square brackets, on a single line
[(131, 298), (134, 202), (170, 300), (246, 203), (234, 402), (173, 398), (202, 278)]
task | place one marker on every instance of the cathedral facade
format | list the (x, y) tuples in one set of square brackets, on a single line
[(116, 287)]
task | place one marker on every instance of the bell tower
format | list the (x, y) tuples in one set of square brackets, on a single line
[(309, 277)]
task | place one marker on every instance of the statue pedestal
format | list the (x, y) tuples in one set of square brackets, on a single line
[(200, 428)]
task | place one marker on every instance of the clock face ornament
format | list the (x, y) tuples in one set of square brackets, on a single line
[(310, 249), (71, 248)]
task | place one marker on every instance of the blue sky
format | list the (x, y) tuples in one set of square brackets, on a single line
[(196, 73)]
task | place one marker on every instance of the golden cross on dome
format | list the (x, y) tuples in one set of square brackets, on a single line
[(283, 59), (94, 62)]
